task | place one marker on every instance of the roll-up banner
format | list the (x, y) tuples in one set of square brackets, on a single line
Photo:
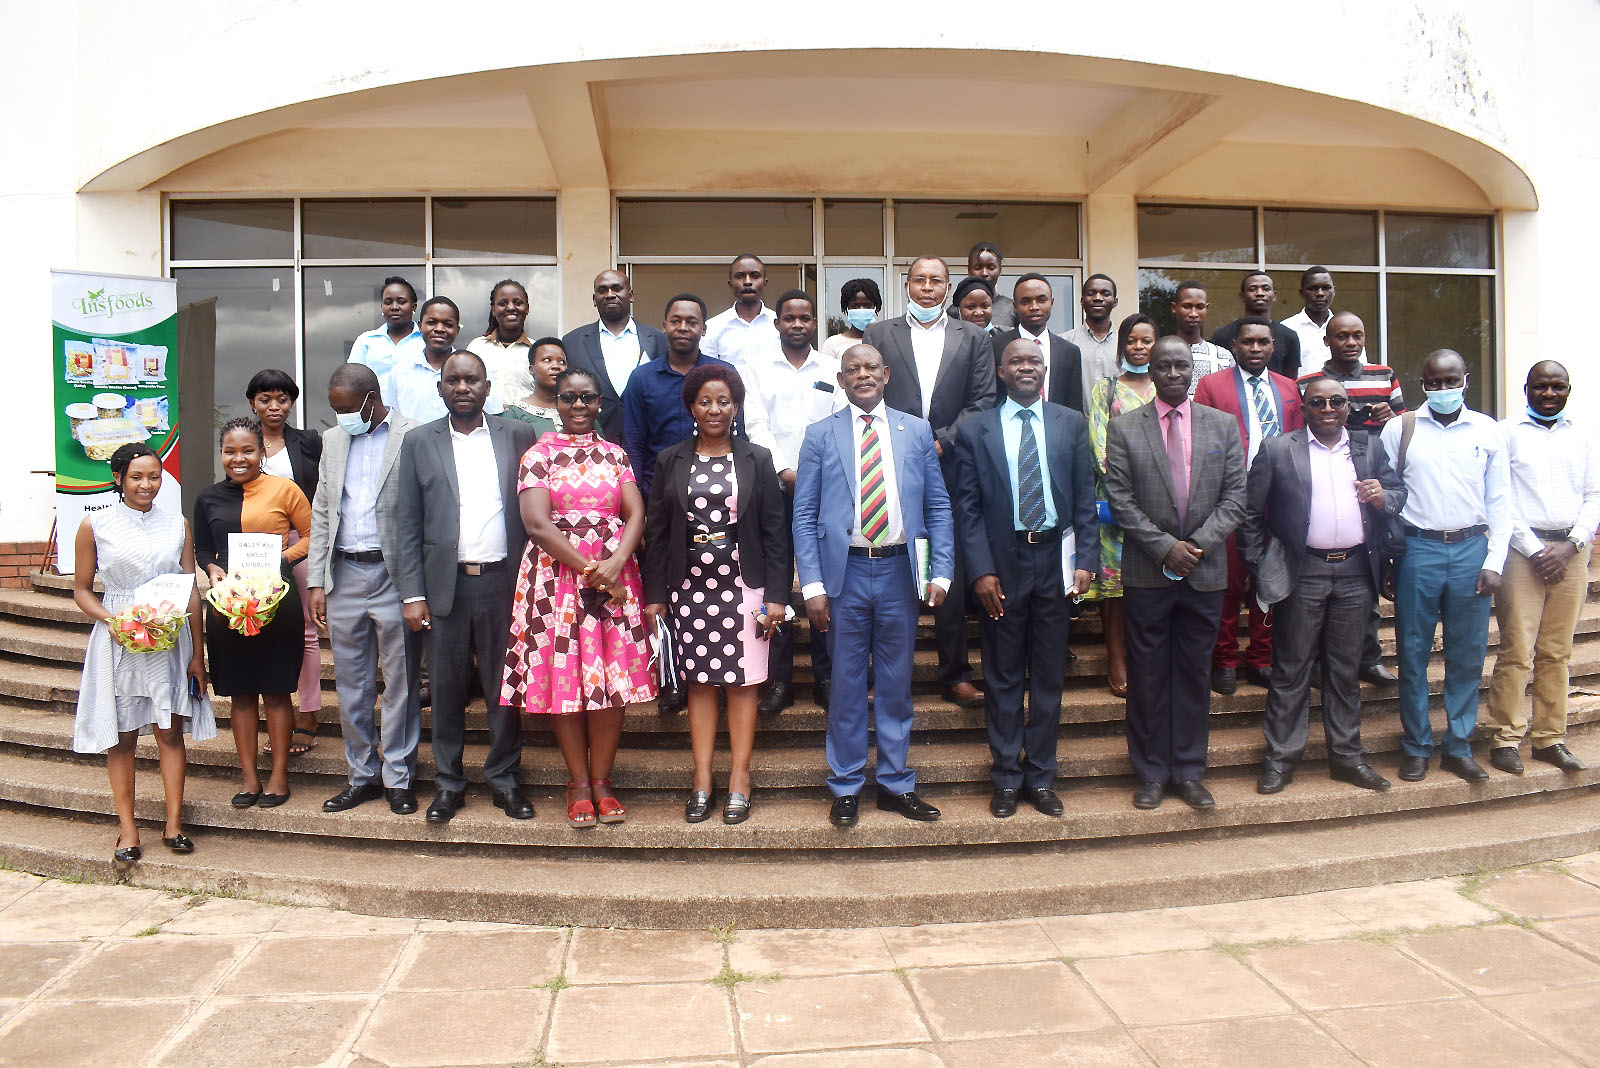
[(115, 356)]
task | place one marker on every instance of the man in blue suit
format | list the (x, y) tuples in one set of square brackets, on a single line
[(1023, 487), (872, 538)]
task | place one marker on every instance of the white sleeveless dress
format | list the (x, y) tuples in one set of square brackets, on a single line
[(122, 690)]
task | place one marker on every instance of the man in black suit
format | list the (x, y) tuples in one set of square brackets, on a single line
[(940, 369), (612, 346), (1063, 362), (460, 543), (1313, 529), (1019, 491)]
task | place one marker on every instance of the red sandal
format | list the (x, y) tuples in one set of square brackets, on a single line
[(580, 814), (611, 810)]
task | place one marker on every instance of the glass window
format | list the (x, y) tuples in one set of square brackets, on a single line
[(852, 227), (1321, 236), (1438, 241), (339, 304), (714, 228), (232, 229), (1063, 287), (470, 287), (1197, 235), (1428, 312), (1158, 287), (361, 229), (950, 228), (245, 315), (1354, 291), (496, 227), (834, 278), (655, 283)]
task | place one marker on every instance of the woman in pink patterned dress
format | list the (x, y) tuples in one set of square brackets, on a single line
[(579, 649)]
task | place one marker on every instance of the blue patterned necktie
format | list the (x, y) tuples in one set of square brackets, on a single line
[(1030, 480), (1266, 418)]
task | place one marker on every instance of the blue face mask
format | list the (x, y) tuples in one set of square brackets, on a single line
[(924, 315), (1133, 369), (1445, 401), (354, 423), (860, 318), (1547, 420)]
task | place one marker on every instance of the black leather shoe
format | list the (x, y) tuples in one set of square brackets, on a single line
[(178, 843), (736, 809), (671, 702), (1003, 805), (1259, 676), (424, 691), (1413, 768), (1272, 781), (1559, 755), (445, 805), (1224, 680), (1360, 775), (698, 808), (127, 854), (775, 697), (845, 811), (1195, 794), (1045, 801), (402, 802), (1505, 758), (821, 692), (513, 804), (273, 800), (1465, 767), (1148, 795), (1377, 673), (246, 798), (908, 805), (351, 796)]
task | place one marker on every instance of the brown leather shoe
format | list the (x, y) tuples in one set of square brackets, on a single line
[(964, 694)]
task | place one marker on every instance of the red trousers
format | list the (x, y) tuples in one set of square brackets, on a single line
[(1238, 595)]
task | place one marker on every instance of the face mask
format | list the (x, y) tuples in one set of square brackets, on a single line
[(1445, 401), (1546, 420), (860, 318), (1133, 370), (924, 315), (354, 423)]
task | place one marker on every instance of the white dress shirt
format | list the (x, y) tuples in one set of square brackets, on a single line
[(620, 352), (507, 365), (483, 518), (1313, 339), (742, 343), (1333, 515), (1207, 358), (927, 349), (358, 499), (1457, 475), (798, 399), (1555, 480), (1100, 356), (1042, 339), (1252, 421)]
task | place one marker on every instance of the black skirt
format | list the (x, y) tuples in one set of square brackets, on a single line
[(264, 663)]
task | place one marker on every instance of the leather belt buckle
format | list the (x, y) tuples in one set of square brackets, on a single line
[(1336, 557), (1450, 537), (479, 567), (1038, 537), (715, 535), (1553, 535)]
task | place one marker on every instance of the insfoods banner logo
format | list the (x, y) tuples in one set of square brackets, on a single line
[(99, 304), (110, 305)]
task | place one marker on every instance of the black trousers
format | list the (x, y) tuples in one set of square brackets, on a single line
[(780, 656), (1025, 655), (1170, 632), (476, 628), (950, 631)]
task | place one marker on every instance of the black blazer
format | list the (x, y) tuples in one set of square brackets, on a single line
[(1278, 499), (583, 350), (1064, 385), (965, 382), (982, 502), (305, 457), (765, 557)]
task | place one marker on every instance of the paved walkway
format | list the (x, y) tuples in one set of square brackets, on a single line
[(1498, 969)]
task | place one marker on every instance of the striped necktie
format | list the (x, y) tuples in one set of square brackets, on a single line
[(1266, 418), (1030, 479), (874, 491)]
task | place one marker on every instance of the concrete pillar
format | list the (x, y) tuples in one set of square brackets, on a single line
[(1111, 222), (584, 217)]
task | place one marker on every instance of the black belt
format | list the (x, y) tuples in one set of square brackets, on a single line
[(473, 567), (1335, 556), (878, 552), (1039, 537), (1552, 535), (365, 556), (1449, 537)]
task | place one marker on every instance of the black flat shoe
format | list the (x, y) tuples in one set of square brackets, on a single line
[(273, 800), (1272, 781), (245, 799), (1045, 801), (127, 854), (844, 811), (1504, 758), (1413, 768), (908, 805), (736, 809), (776, 697), (1559, 755), (1195, 795), (698, 808), (1148, 795), (1003, 805), (402, 802), (445, 804), (351, 796), (179, 843), (514, 804), (1464, 767), (1360, 775)]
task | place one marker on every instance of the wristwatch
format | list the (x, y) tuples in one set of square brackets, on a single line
[(1577, 540)]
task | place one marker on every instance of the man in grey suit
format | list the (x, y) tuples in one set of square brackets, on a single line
[(612, 346), (461, 540), (1175, 481), (940, 369), (353, 594)]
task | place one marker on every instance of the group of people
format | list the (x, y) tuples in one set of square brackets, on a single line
[(617, 516)]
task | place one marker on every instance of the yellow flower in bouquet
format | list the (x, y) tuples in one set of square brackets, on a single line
[(148, 628), (248, 600)]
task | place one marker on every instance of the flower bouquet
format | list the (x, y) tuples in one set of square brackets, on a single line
[(148, 628), (248, 600)]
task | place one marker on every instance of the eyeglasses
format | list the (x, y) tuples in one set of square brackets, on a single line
[(1335, 403), (574, 398)]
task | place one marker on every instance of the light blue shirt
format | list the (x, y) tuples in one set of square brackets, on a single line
[(412, 389), (1011, 431), (376, 350), (621, 353), (1457, 474), (358, 499)]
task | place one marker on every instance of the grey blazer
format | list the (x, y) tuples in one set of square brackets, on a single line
[(429, 513), (1139, 490), (330, 495), (965, 382)]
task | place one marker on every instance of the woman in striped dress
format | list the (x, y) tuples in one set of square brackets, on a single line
[(125, 694)]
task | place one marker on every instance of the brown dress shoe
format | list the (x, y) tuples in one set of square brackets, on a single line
[(964, 694)]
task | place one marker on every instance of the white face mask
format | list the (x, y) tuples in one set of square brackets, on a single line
[(921, 314), (354, 423)]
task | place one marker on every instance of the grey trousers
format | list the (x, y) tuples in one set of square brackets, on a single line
[(1324, 615), (475, 632), (366, 630)]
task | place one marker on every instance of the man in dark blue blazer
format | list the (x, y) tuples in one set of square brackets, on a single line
[(1024, 507), (872, 539), (611, 356)]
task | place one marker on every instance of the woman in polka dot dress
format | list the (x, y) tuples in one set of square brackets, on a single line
[(718, 564)]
